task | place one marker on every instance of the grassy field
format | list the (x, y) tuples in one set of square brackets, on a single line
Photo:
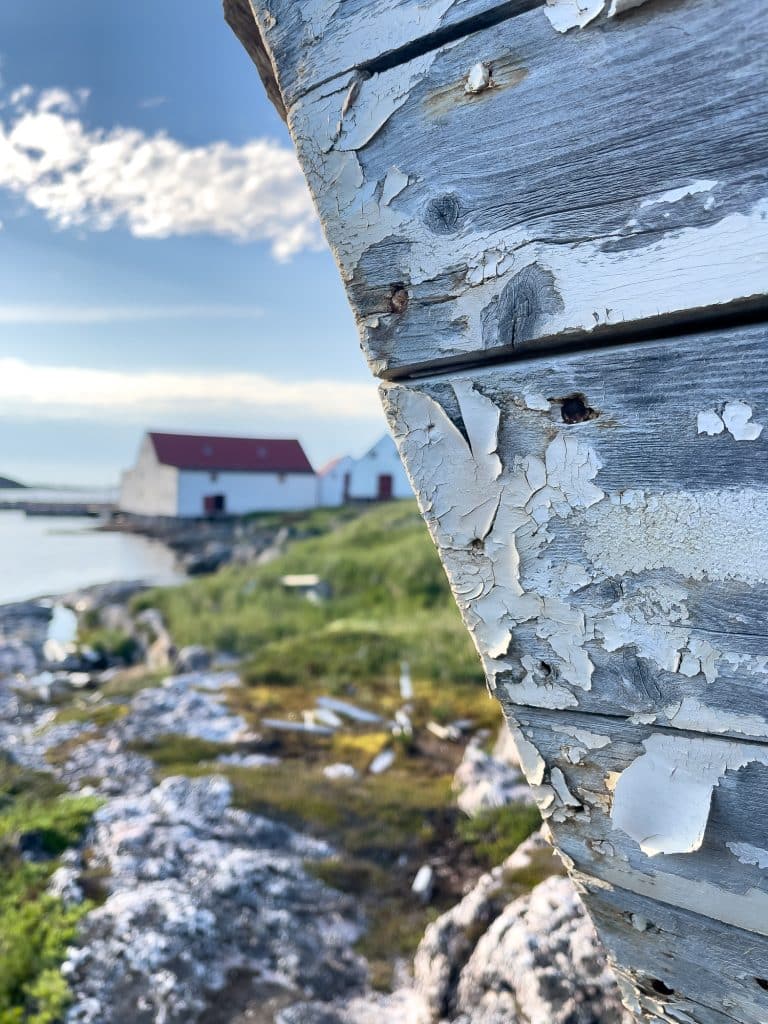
[(389, 603)]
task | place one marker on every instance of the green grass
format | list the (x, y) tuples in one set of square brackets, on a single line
[(100, 714), (390, 602), (111, 643), (35, 928), (497, 832)]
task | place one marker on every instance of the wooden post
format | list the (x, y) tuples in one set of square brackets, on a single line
[(551, 223)]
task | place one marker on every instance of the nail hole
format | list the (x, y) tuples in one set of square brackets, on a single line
[(661, 988), (398, 300), (574, 409), (763, 983), (477, 544)]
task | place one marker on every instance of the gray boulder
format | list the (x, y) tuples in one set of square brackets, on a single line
[(483, 782), (540, 962), (194, 658)]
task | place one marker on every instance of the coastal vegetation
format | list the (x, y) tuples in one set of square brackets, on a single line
[(388, 603), (384, 604), (37, 823)]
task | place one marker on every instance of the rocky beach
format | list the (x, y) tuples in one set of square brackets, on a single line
[(188, 902)]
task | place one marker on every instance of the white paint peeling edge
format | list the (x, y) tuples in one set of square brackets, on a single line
[(749, 854)]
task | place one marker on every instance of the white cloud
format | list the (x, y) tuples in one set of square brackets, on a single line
[(152, 101), (153, 185), (11, 314), (27, 389)]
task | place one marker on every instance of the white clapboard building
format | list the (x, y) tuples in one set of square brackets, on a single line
[(191, 475), (378, 475)]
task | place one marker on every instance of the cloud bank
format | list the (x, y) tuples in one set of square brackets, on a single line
[(153, 185), (60, 315), (39, 391)]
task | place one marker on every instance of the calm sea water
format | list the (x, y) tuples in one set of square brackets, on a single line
[(48, 555)]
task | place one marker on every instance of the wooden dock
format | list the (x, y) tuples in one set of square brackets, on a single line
[(58, 508)]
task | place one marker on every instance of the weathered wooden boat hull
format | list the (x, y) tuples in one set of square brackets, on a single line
[(551, 223)]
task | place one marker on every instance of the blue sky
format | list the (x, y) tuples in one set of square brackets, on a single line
[(160, 263)]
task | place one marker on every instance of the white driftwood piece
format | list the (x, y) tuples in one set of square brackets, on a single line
[(504, 185)]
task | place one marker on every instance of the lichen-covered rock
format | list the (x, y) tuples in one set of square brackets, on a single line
[(483, 782), (535, 959), (540, 962), (197, 890), (178, 707)]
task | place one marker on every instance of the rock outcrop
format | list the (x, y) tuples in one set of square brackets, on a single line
[(199, 891)]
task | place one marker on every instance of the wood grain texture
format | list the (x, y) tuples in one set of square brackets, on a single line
[(240, 18), (601, 518), (704, 971), (607, 556), (610, 177), (314, 41)]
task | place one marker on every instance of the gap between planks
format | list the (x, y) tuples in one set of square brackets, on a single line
[(442, 36), (747, 314)]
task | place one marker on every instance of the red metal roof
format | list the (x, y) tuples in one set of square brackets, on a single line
[(232, 454)]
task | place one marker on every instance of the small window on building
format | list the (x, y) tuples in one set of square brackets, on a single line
[(281, 478), (214, 476)]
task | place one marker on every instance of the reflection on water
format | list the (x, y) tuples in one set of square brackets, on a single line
[(52, 555)]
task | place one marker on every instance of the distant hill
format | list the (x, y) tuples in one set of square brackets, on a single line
[(7, 483)]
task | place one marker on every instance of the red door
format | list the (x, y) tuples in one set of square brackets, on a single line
[(385, 487), (214, 504)]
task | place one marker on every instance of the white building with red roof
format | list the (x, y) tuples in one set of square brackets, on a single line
[(378, 475), (193, 475)]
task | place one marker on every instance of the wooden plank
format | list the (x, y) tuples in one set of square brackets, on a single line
[(676, 924), (608, 555), (314, 41), (614, 793), (670, 960), (607, 178), (240, 18)]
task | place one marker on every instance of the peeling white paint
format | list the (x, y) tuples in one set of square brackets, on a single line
[(536, 402), (662, 800), (737, 417), (487, 518), (567, 14), (591, 740), (749, 854), (643, 718), (620, 6), (684, 532), (708, 422), (560, 786), (747, 910), (674, 195), (530, 759), (683, 269), (394, 183), (491, 263), (693, 714)]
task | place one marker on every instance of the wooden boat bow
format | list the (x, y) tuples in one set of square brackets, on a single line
[(550, 220)]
